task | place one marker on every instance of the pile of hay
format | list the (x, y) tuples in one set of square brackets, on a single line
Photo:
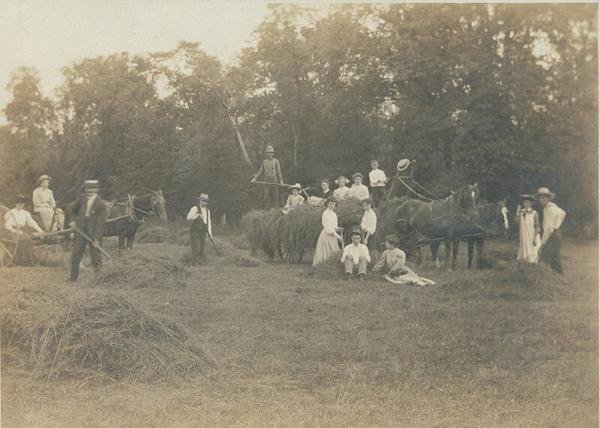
[(330, 269), (146, 270), (294, 235), (230, 256), (71, 333), (154, 235)]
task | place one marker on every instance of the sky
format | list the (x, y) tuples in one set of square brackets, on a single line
[(49, 34)]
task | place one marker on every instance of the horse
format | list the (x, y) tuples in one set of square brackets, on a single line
[(480, 222), (125, 217), (438, 220)]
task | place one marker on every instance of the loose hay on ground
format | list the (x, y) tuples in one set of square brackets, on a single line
[(154, 235), (94, 334)]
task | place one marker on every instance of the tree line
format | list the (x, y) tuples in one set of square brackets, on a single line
[(505, 95)]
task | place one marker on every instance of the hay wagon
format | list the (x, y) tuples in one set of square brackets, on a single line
[(42, 250)]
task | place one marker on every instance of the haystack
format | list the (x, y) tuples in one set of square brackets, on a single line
[(72, 333), (147, 270), (154, 235)]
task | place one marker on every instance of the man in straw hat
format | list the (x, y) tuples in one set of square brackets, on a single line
[(358, 190), (271, 173), (45, 205), (89, 213), (554, 217), (200, 227)]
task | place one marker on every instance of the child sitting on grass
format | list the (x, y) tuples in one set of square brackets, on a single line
[(356, 257), (393, 260)]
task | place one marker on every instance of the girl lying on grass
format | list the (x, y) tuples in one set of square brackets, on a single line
[(392, 264)]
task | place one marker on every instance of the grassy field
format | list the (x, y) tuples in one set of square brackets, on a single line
[(500, 347)]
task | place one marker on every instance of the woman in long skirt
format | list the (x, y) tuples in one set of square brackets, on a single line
[(392, 264), (529, 230), (330, 239)]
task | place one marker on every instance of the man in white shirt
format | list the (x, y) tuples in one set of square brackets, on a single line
[(356, 257), (377, 182), (200, 227), (551, 236), (368, 225), (358, 190)]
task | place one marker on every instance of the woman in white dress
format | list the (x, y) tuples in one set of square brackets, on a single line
[(330, 239), (45, 205), (342, 191), (529, 230)]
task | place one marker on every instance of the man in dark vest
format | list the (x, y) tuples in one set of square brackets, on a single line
[(200, 227), (89, 216), (271, 173)]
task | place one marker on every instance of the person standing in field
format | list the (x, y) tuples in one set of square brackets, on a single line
[(368, 225), (295, 199), (45, 205), (90, 213), (356, 257), (270, 170), (358, 190), (529, 230), (200, 228), (377, 182), (329, 239), (342, 191), (554, 217)]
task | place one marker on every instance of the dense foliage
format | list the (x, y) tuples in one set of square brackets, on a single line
[(505, 95)]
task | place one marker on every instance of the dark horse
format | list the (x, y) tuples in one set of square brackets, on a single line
[(479, 223), (438, 221), (127, 215)]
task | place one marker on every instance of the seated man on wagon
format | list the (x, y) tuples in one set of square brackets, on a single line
[(19, 229)]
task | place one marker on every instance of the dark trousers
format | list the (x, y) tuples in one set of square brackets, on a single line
[(79, 245), (551, 252), (271, 197), (198, 243), (378, 195)]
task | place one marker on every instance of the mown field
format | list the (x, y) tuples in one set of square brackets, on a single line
[(502, 347)]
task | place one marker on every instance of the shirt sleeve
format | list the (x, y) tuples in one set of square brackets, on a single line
[(52, 201), (31, 223), (366, 254), (383, 176), (559, 218), (193, 214), (344, 253), (9, 222), (381, 262), (278, 171), (36, 199), (208, 222)]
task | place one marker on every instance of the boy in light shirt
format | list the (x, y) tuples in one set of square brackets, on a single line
[(368, 225), (356, 257), (377, 181)]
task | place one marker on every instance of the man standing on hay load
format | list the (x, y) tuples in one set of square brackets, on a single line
[(200, 227), (554, 217), (271, 172), (89, 212)]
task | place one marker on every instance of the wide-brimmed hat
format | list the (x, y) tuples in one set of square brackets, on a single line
[(544, 191), (203, 197), (296, 186), (91, 184), (527, 197), (269, 149), (402, 165), (44, 177), (393, 239), (356, 232), (20, 199), (337, 180), (357, 174)]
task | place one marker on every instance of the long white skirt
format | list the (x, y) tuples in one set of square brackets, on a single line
[(408, 277), (529, 242), (327, 247)]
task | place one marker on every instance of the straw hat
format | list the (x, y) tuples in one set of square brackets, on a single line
[(203, 197), (357, 174), (91, 184), (296, 186), (269, 149), (356, 232), (402, 165), (44, 177), (527, 197), (544, 191)]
